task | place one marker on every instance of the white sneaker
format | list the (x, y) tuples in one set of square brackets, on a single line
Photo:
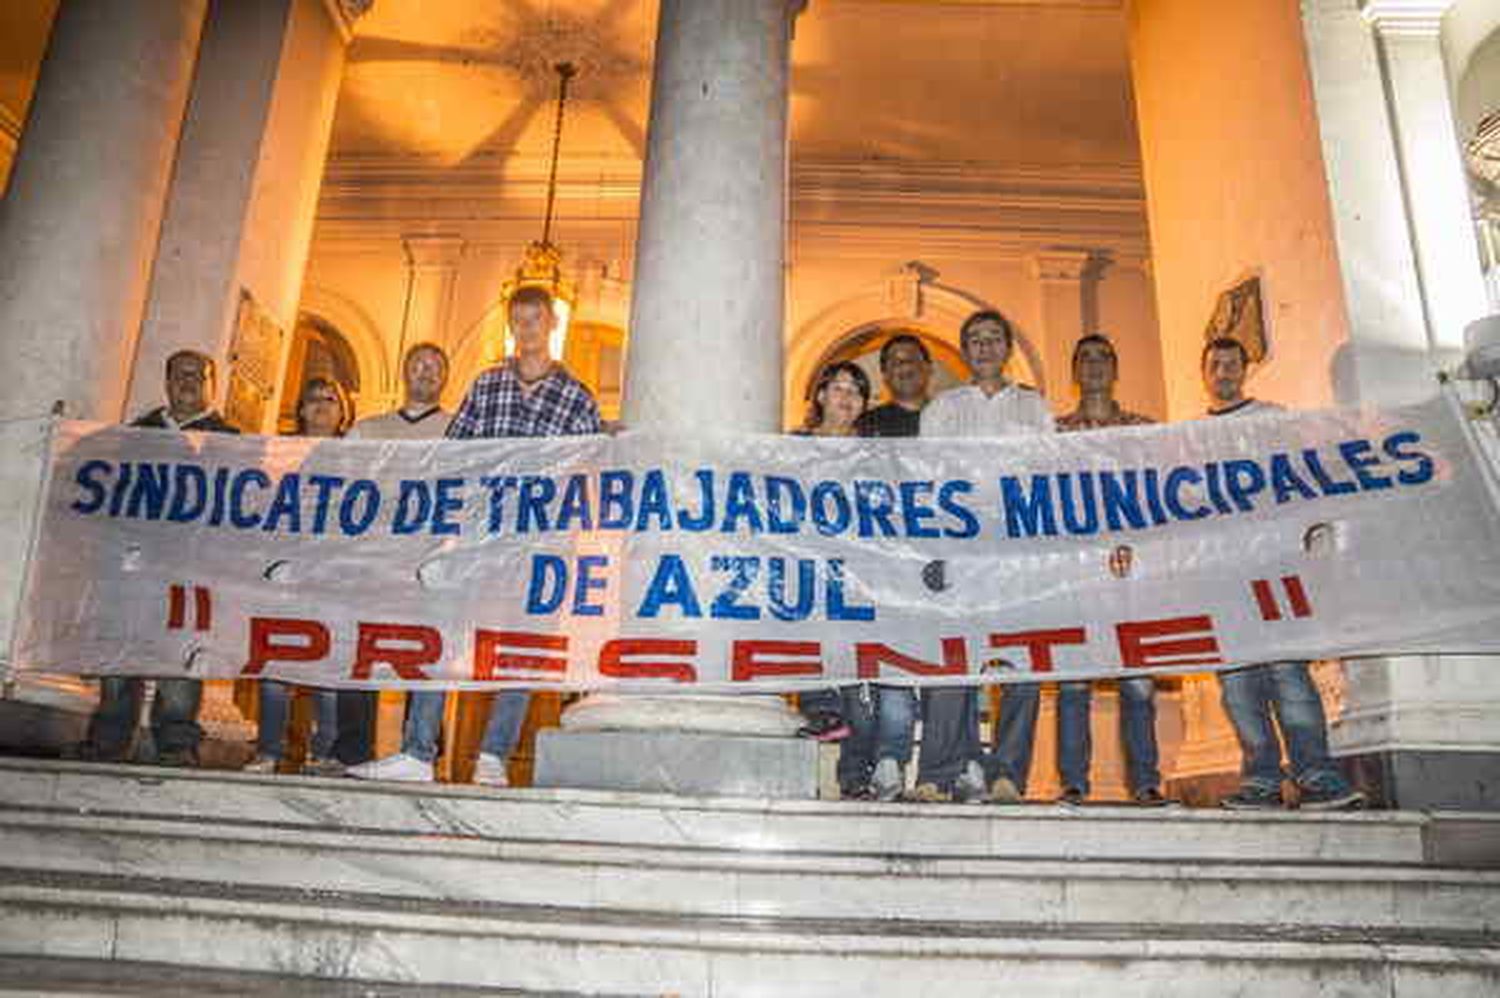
[(263, 764), (489, 771), (969, 788), (398, 768), (888, 781)]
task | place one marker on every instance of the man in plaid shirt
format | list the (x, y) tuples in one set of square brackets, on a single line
[(530, 395)]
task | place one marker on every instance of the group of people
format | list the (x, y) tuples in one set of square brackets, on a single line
[(532, 395)]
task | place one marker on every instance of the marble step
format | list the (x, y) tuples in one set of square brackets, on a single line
[(676, 880), (756, 825), (356, 938)]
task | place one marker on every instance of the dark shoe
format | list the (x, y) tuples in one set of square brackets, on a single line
[(1347, 799), (1151, 797), (178, 758), (825, 727), (1252, 799), (1072, 797), (863, 792)]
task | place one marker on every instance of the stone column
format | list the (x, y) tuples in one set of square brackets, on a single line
[(705, 353), (79, 226), (710, 250), (1421, 731), (244, 193), (1433, 174), (78, 229)]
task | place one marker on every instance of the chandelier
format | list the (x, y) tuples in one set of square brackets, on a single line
[(541, 264)]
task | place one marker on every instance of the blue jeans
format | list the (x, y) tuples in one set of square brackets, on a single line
[(1137, 734), (275, 708), (424, 724), (1015, 734), (1251, 696), (174, 716), (882, 719)]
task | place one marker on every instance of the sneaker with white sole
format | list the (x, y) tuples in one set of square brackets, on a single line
[(969, 787), (323, 766), (398, 768), (262, 764), (887, 782), (489, 771)]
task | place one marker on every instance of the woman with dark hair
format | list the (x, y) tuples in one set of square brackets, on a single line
[(323, 410), (838, 400)]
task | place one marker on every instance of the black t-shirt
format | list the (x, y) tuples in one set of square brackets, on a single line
[(890, 420)]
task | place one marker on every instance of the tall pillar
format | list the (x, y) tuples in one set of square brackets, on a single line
[(1432, 168), (710, 250), (705, 352), (244, 192), (79, 226), (1421, 731)]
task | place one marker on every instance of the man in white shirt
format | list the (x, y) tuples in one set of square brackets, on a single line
[(1251, 695), (953, 764), (424, 374)]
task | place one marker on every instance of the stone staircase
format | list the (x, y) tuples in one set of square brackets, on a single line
[(198, 882)]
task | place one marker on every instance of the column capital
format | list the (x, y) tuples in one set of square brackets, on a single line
[(426, 251), (1061, 265), (1406, 18)]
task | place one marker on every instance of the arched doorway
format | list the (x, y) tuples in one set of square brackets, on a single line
[(318, 351)]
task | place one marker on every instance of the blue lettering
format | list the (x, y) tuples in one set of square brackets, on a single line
[(1172, 494), (1084, 502), (740, 504), (288, 504), (1424, 465), (1285, 483), (1360, 455), (237, 515), (874, 503), (498, 486), (87, 479), (575, 505), (705, 518), (1243, 479), (837, 608), (548, 585), (671, 584), (786, 505), (616, 510), (587, 582), (1028, 516), (189, 493), (1330, 486), (948, 502), (776, 588), (726, 605), (413, 506), (836, 521), (354, 520), (323, 486), (536, 492), (654, 501), (150, 492), (447, 501)]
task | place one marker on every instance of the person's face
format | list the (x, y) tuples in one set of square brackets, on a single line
[(425, 375), (190, 384), (321, 412), (531, 324), (842, 401), (1224, 374), (906, 371), (1095, 368), (986, 349)]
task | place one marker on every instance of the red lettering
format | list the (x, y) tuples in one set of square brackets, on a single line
[(491, 657), (612, 659), (870, 656), (1145, 643), (1039, 644), (265, 647), (392, 645), (749, 663)]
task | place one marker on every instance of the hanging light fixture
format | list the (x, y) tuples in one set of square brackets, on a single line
[(541, 265)]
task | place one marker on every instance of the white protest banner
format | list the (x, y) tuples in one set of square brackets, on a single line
[(760, 562)]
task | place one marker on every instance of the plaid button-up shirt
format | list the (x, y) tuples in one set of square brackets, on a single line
[(497, 407)]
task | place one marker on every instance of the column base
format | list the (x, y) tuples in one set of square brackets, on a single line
[(1428, 779), (677, 762)]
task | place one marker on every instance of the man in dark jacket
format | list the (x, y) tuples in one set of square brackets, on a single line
[(174, 712)]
